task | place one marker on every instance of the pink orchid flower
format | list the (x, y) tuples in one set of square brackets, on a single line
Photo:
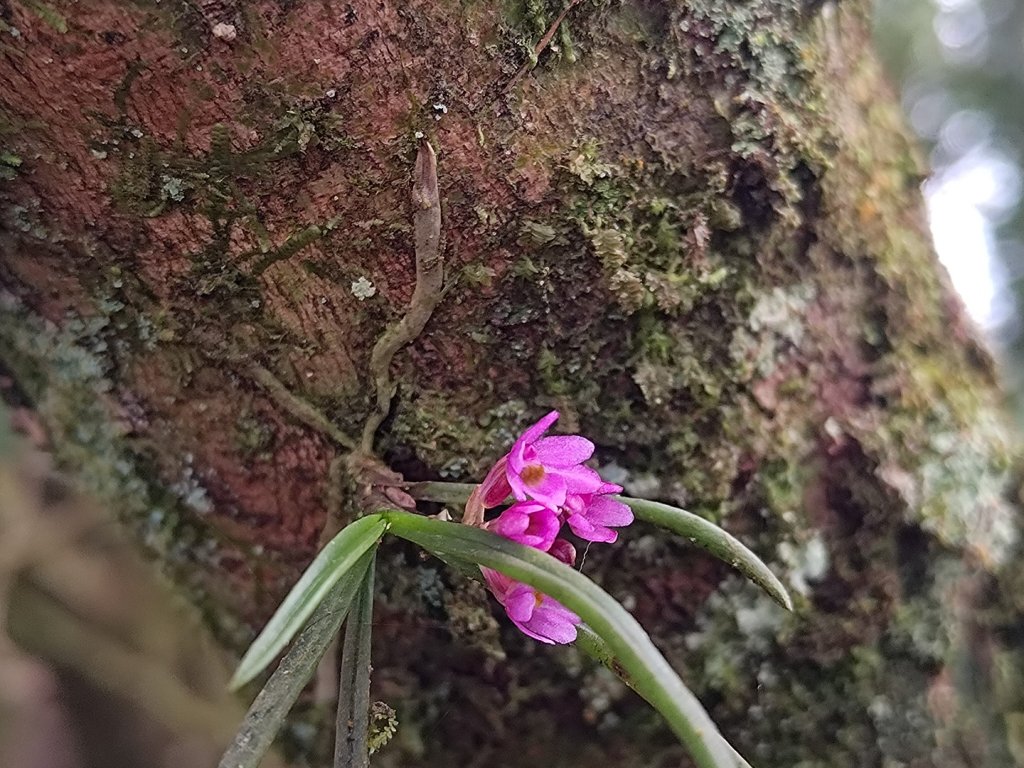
[(534, 613), (528, 522), (546, 469), (547, 477), (592, 516)]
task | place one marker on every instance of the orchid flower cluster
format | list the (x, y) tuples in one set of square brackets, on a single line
[(552, 489)]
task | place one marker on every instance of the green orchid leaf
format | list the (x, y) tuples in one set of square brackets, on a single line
[(714, 540), (334, 560), (591, 644), (268, 711), (625, 638), (351, 745), (699, 531)]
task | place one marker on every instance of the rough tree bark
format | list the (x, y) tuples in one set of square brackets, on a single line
[(694, 227)]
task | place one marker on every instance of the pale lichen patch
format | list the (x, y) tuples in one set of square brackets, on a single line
[(957, 491), (775, 326), (363, 289)]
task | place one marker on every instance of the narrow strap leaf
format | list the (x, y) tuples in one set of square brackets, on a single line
[(588, 641), (714, 540), (591, 644), (268, 711), (625, 637), (351, 746), (699, 531), (334, 560)]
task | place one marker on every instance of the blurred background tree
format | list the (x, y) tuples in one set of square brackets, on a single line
[(960, 68)]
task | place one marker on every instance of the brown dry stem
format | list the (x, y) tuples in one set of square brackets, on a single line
[(541, 45), (301, 409), (426, 294)]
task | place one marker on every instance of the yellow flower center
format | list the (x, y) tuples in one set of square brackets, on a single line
[(532, 474)]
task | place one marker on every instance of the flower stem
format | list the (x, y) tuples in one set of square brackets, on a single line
[(455, 494)]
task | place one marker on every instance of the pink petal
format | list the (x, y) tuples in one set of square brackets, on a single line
[(563, 450), (520, 603), (529, 523), (510, 523), (579, 479), (581, 526), (606, 511), (495, 488), (497, 493), (551, 623), (533, 434), (516, 456), (543, 530), (550, 491), (522, 627), (585, 529), (609, 488), (576, 503), (498, 583), (563, 550), (515, 482)]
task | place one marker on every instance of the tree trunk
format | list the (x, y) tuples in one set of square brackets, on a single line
[(693, 227)]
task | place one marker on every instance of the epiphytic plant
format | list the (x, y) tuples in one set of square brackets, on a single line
[(543, 485), (540, 488)]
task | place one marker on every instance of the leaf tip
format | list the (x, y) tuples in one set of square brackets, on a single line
[(779, 594), (238, 680)]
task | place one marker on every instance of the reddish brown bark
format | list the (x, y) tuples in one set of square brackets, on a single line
[(699, 236)]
